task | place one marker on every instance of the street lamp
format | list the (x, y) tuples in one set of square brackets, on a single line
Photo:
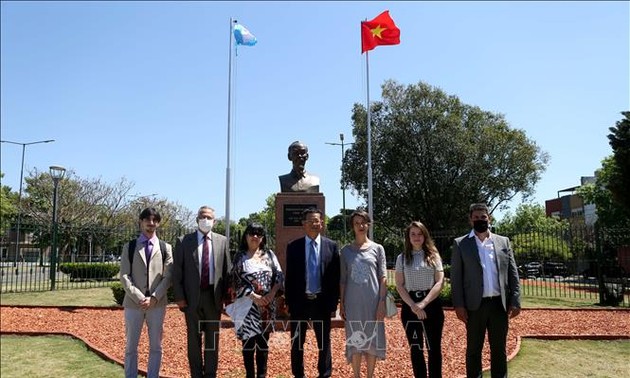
[(90, 247), (19, 208), (343, 184), (57, 174)]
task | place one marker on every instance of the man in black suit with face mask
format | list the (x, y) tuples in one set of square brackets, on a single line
[(486, 291)]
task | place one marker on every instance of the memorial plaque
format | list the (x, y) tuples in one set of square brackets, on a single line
[(292, 213)]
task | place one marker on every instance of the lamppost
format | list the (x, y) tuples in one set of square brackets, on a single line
[(19, 207), (90, 247), (343, 184), (57, 174)]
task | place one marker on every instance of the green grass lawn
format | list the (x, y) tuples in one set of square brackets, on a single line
[(56, 356), (99, 296), (571, 358)]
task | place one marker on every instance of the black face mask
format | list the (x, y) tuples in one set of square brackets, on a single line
[(480, 225)]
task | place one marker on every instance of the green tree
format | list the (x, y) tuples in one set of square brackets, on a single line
[(91, 209), (527, 218), (619, 180), (536, 237), (266, 217), (8, 207), (432, 156), (236, 231), (335, 227)]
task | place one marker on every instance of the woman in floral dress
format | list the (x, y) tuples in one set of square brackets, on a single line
[(257, 278)]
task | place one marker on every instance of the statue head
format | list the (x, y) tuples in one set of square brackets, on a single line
[(298, 154), (298, 180)]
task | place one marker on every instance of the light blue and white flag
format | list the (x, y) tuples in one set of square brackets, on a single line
[(243, 36)]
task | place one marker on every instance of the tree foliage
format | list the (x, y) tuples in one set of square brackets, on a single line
[(8, 207), (619, 179), (536, 237), (335, 227), (528, 218), (266, 217), (432, 156), (90, 208)]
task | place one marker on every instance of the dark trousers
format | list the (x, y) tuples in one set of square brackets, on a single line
[(203, 317), (490, 316), (315, 310), (256, 345), (415, 331)]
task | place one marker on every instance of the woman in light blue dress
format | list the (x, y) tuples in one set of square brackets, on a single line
[(363, 288)]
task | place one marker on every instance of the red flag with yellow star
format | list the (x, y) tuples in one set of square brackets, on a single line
[(380, 31)]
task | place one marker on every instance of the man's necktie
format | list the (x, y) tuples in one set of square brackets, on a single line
[(205, 263), (148, 249), (313, 269)]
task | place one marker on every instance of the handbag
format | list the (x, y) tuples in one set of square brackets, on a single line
[(390, 305)]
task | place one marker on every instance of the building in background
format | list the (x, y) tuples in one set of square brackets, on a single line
[(570, 206)]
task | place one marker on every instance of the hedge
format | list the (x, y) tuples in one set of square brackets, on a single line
[(445, 294), (89, 271)]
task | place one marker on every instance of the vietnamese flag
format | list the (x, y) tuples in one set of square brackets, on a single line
[(380, 31)]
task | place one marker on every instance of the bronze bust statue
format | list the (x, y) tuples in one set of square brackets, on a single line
[(298, 180)]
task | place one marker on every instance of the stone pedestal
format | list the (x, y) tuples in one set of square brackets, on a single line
[(289, 207)]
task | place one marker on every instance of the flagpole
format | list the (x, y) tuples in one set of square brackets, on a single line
[(369, 147), (228, 172)]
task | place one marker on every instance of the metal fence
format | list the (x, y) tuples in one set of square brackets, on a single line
[(575, 263), (565, 262), (89, 249)]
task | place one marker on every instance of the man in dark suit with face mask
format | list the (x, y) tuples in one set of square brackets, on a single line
[(486, 291), (201, 265)]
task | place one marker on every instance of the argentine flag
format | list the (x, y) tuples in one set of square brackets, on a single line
[(243, 36)]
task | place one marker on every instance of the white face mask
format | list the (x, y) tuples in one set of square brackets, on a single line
[(205, 225)]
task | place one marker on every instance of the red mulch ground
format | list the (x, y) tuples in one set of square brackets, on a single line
[(103, 329)]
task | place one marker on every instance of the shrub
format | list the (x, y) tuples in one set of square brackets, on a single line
[(119, 293), (447, 270), (446, 296), (89, 271)]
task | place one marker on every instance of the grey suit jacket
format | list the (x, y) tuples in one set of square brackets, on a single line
[(134, 278), (186, 278), (467, 273)]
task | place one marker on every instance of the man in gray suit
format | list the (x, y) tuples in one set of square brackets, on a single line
[(200, 282), (145, 273), (486, 291)]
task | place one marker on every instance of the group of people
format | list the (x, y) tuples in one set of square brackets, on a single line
[(317, 280)]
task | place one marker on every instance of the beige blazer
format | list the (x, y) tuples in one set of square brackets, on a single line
[(134, 278)]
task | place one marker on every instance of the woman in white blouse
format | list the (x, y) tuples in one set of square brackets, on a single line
[(419, 279)]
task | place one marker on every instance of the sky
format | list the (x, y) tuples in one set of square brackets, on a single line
[(140, 89)]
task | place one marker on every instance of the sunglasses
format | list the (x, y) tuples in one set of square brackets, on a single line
[(255, 233)]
